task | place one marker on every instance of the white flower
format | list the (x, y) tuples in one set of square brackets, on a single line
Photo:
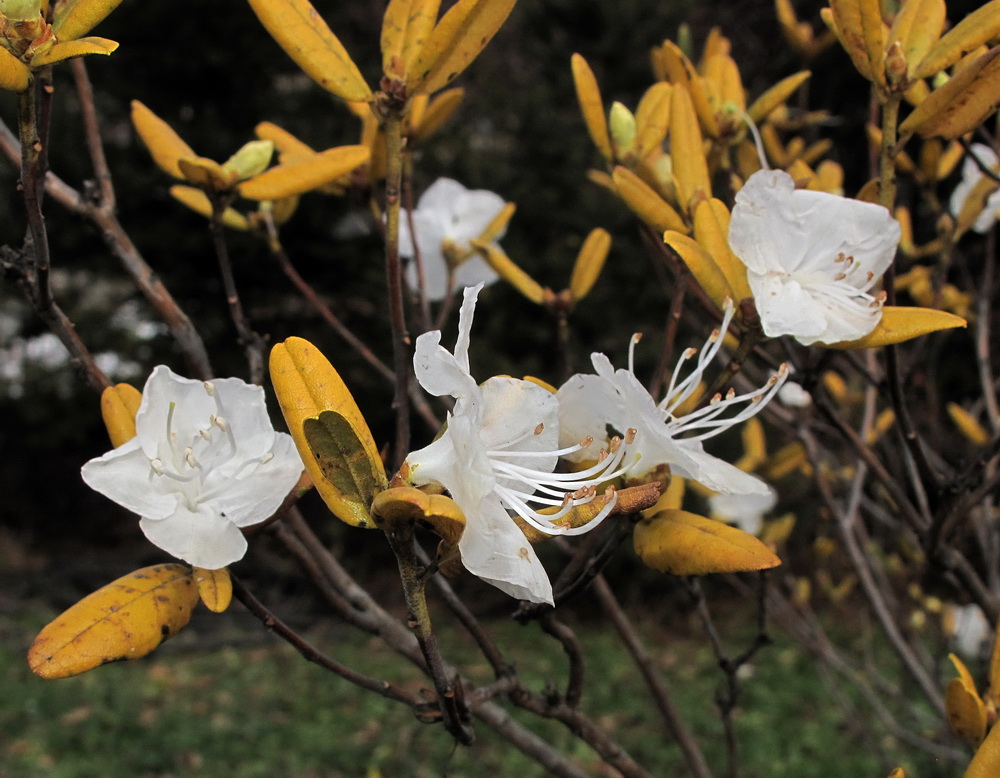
[(496, 453), (205, 461), (746, 511), (972, 175), (446, 218), (970, 631), (589, 404), (811, 258), (793, 395)]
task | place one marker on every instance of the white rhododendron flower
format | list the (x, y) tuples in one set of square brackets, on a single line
[(497, 453), (811, 258), (446, 218), (589, 404), (970, 630), (745, 511), (972, 175), (204, 462)]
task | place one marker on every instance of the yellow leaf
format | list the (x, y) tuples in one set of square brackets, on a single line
[(14, 74), (851, 32), (652, 117), (455, 42), (722, 73), (898, 772), (966, 712), (394, 23), (206, 173), (215, 588), (163, 143), (439, 110), (682, 543), (124, 620), (682, 73), (973, 31), (498, 225), (874, 33), (75, 18), (776, 95), (711, 230), (672, 498), (645, 202), (962, 103), (74, 48), (968, 425), (703, 267), (119, 405), (307, 384), (975, 203), (198, 201), (917, 26), (986, 762), (993, 693), (290, 147), (589, 263), (423, 14), (687, 152), (509, 271), (901, 323), (305, 175), (754, 441), (588, 94), (301, 32), (408, 504)]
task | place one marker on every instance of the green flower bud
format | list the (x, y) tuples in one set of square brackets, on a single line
[(21, 10), (251, 160), (621, 122)]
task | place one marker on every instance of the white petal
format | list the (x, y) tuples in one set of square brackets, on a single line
[(202, 538), (167, 395), (587, 404), (717, 474), (245, 410), (786, 308), (472, 214), (746, 511), (124, 475), (441, 195), (475, 270), (255, 496), (465, 316), (512, 411), (438, 371), (430, 237), (763, 230)]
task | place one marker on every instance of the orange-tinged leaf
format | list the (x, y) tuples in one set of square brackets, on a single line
[(439, 110), (408, 504), (874, 33), (961, 104), (423, 15), (394, 23), (682, 73), (290, 147), (307, 384), (589, 263), (163, 143), (215, 588), (206, 173), (986, 762), (776, 95), (687, 152), (509, 271), (645, 202), (723, 74), (124, 620), (682, 543), (968, 425), (900, 323), (119, 405), (198, 201), (14, 74), (851, 32), (711, 230), (301, 32), (652, 117), (74, 48), (966, 712), (963, 672), (973, 31), (916, 28), (75, 18), (498, 225), (703, 267), (464, 31), (302, 176), (588, 94)]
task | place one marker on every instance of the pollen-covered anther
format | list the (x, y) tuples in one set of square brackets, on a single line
[(636, 337), (716, 399), (267, 457), (539, 428), (841, 257), (870, 276), (218, 421), (840, 276), (730, 394), (614, 444), (630, 434), (209, 388), (156, 465), (586, 441), (189, 457), (206, 434)]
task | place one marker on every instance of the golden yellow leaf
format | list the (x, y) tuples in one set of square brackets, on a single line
[(119, 405), (215, 588), (14, 74), (423, 15), (897, 772), (74, 48), (589, 263), (900, 323), (302, 176), (408, 504), (301, 32), (307, 384), (968, 425), (289, 147), (723, 76), (394, 23), (916, 28), (671, 498), (986, 762), (163, 143), (776, 95), (973, 31), (703, 267), (206, 173), (682, 543), (439, 110), (993, 693), (846, 16), (961, 104), (966, 712), (645, 202), (874, 33), (74, 18), (711, 231), (124, 620), (198, 201), (754, 441), (687, 152), (588, 94), (974, 203), (508, 270), (455, 42), (652, 118), (681, 72)]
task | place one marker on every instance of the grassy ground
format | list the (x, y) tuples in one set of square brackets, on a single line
[(223, 699)]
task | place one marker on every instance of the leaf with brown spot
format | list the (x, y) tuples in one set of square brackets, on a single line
[(215, 588)]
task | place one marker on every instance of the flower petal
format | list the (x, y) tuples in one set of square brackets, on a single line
[(124, 475), (472, 213), (201, 538), (255, 496)]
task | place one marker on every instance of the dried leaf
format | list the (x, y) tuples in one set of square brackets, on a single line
[(973, 31), (294, 178), (408, 504), (682, 543), (851, 32), (14, 74), (966, 712), (74, 48), (215, 588), (916, 28), (119, 405), (124, 620), (899, 324)]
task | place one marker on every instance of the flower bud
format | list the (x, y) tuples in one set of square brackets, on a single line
[(251, 160), (21, 10), (621, 122)]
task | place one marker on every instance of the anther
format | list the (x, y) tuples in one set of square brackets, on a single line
[(636, 337), (218, 421), (840, 276), (716, 399), (209, 388), (731, 393), (539, 428), (630, 434), (207, 435), (157, 466), (586, 441), (688, 353), (267, 457), (189, 457)]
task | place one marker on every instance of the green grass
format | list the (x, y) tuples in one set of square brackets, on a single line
[(260, 710)]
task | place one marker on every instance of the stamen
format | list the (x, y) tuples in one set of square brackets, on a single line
[(206, 435), (157, 466), (189, 457), (218, 421), (209, 388), (636, 337), (539, 428), (267, 457)]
